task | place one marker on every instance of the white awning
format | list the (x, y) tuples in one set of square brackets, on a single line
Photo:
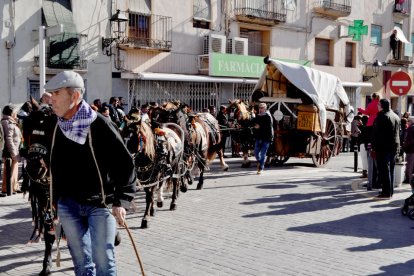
[(182, 77), (400, 35)]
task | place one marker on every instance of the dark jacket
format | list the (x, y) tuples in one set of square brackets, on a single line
[(223, 122), (386, 133), (265, 130), (408, 144), (75, 173)]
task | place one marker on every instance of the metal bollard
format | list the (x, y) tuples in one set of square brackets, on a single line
[(7, 172), (355, 158)]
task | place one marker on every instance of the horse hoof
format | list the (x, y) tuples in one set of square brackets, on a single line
[(199, 186), (117, 238), (160, 204), (153, 211), (226, 168), (45, 271), (144, 224), (173, 207), (183, 188)]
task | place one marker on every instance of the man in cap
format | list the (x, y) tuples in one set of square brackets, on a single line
[(90, 168)]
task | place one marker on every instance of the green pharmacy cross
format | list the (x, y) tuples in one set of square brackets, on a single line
[(357, 30)]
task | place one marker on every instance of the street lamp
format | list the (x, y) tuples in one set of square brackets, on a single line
[(119, 19), (376, 68)]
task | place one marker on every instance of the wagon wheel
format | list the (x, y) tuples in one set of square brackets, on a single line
[(327, 145), (279, 159)]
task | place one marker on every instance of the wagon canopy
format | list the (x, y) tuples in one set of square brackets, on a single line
[(324, 89)]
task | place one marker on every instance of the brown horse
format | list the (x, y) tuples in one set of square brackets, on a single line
[(242, 132), (201, 137)]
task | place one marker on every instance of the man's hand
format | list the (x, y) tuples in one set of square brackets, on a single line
[(119, 214)]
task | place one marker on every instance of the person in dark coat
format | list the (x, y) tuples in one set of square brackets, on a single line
[(385, 146), (408, 146), (394, 44), (263, 132), (90, 170), (224, 123)]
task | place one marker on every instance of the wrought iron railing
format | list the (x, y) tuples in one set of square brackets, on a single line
[(338, 5), (64, 52), (262, 9), (149, 31)]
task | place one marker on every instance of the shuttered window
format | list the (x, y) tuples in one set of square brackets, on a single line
[(202, 10), (140, 6), (322, 51), (349, 54)]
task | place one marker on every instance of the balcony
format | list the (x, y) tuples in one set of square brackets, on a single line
[(262, 12), (401, 10), (333, 8), (148, 31)]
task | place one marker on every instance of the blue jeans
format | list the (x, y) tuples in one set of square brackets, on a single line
[(90, 233), (260, 149)]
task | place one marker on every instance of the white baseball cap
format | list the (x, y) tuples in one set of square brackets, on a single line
[(65, 79)]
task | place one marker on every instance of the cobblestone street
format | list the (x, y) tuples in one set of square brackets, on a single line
[(291, 220)]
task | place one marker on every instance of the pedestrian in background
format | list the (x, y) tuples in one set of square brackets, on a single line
[(263, 132), (90, 168), (408, 146), (12, 143), (355, 132), (385, 146), (371, 111), (224, 125)]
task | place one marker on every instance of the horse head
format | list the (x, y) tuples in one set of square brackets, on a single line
[(239, 110), (37, 132)]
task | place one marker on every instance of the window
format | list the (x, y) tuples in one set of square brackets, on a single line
[(376, 35), (258, 42), (139, 25), (202, 14), (350, 54), (412, 41), (322, 51)]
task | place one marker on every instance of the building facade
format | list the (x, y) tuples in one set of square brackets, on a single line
[(202, 52)]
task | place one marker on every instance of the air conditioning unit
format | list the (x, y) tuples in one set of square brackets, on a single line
[(240, 46), (214, 43), (203, 63)]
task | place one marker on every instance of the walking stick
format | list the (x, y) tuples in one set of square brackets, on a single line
[(135, 249)]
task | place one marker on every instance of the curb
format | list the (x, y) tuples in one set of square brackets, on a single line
[(397, 200)]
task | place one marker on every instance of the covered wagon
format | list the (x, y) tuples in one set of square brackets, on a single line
[(310, 108)]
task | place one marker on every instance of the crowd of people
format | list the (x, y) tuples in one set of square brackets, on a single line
[(383, 138)]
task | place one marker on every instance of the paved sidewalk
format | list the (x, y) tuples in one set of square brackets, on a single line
[(291, 220)]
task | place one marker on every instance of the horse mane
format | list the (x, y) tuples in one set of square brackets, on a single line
[(170, 106), (149, 145), (241, 106)]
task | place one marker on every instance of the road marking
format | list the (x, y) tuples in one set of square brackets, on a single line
[(399, 83)]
